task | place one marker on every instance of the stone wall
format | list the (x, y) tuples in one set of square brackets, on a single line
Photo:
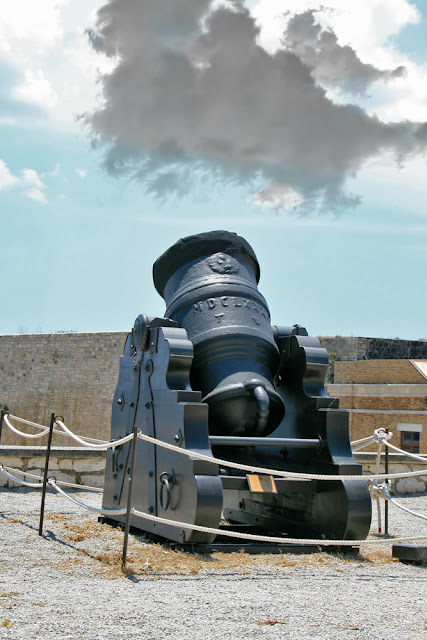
[(394, 371), (352, 348), (70, 374), (76, 465), (75, 375), (382, 394)]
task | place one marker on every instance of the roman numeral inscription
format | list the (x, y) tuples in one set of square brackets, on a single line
[(219, 306)]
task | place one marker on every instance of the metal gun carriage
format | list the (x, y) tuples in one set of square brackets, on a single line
[(214, 377)]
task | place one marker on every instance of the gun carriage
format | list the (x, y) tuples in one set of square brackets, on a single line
[(214, 377)]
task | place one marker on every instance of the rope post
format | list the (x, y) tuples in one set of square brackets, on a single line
[(46, 469), (386, 502), (1, 422), (134, 443)]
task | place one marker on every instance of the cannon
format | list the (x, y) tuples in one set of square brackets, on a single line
[(213, 376)]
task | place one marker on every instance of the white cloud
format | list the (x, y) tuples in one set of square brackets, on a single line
[(81, 173), (277, 196), (28, 21), (36, 195), (7, 179), (29, 178), (56, 171), (36, 89), (45, 43)]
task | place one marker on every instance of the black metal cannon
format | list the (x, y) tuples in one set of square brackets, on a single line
[(214, 377)]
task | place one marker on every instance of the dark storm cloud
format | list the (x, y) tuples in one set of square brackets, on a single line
[(194, 97), (332, 65)]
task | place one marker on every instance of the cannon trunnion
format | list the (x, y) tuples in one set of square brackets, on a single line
[(214, 377)]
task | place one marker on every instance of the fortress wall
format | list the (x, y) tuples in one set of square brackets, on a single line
[(71, 374), (75, 375)]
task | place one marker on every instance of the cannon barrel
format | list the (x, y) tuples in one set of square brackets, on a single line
[(209, 283)]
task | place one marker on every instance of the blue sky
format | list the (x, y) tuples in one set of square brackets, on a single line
[(77, 244)]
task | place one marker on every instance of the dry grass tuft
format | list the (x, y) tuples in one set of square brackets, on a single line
[(6, 623), (375, 555), (145, 559)]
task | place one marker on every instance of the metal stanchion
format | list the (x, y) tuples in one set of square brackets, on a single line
[(386, 501), (133, 444), (1, 422), (46, 469)]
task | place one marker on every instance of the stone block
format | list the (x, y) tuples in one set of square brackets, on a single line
[(93, 481), (65, 477), (34, 472), (89, 465), (38, 462), (11, 461), (65, 464), (13, 485), (410, 485), (397, 468)]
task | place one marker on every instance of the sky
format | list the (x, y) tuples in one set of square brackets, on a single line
[(299, 125)]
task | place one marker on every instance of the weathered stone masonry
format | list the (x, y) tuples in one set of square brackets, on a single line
[(71, 374), (75, 375)]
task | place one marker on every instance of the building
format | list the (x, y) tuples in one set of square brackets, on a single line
[(391, 394)]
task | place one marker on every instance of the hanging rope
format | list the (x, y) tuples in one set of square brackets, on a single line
[(360, 444), (113, 512), (406, 453), (385, 489), (275, 472), (232, 534), (40, 426), (21, 433), (19, 481), (71, 485), (85, 443)]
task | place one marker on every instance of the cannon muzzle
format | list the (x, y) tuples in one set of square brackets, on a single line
[(209, 283)]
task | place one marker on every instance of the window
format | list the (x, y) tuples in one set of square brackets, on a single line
[(410, 441)]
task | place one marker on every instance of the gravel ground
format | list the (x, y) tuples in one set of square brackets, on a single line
[(68, 584)]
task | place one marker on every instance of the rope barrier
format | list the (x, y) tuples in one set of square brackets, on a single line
[(18, 481), (380, 436), (102, 447), (33, 424), (250, 536), (41, 426), (21, 433), (112, 512), (356, 445), (232, 534), (368, 440), (275, 472), (406, 453), (387, 496), (71, 485)]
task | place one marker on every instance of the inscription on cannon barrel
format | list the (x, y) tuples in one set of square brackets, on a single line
[(219, 305)]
